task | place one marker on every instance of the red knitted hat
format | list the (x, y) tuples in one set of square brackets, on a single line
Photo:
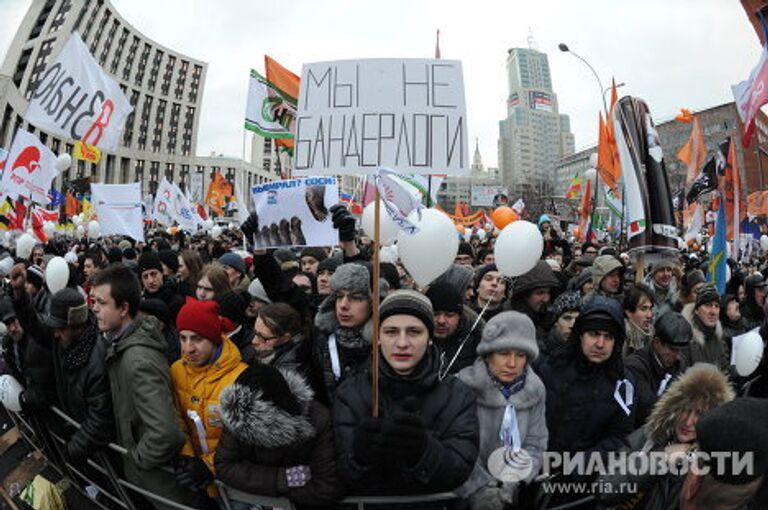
[(201, 317)]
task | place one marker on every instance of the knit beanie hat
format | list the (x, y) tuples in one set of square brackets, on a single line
[(35, 276), (149, 260), (316, 253), (329, 264), (692, 278), (232, 306), (271, 386), (201, 317), (465, 249), (234, 261), (170, 258), (707, 294), (445, 298), (156, 308), (482, 271), (352, 278), (509, 330), (663, 264), (408, 302), (567, 302), (544, 218), (601, 314), (256, 290)]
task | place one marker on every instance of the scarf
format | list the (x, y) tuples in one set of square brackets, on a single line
[(637, 337), (510, 388), (351, 338), (79, 352)]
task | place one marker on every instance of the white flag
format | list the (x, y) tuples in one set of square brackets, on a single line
[(119, 209), (76, 99), (518, 206), (399, 198), (29, 169), (183, 212), (242, 208), (162, 212), (697, 222)]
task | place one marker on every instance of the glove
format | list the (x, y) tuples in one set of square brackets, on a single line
[(344, 222), (406, 438), (297, 476), (250, 226), (368, 443), (192, 473)]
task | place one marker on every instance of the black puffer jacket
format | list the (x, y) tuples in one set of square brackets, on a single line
[(260, 441), (447, 409), (647, 375), (170, 294)]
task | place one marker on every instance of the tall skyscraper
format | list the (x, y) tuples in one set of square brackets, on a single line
[(534, 136)]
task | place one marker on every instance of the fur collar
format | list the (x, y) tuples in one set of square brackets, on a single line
[(488, 395), (702, 387), (698, 335), (261, 423)]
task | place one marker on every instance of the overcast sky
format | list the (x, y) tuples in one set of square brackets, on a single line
[(673, 54)]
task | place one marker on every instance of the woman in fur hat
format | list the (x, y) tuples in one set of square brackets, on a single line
[(671, 428), (277, 440)]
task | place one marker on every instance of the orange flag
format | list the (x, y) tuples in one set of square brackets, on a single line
[(694, 153), (731, 188), (218, 193), (585, 211), (70, 207), (608, 163), (288, 83)]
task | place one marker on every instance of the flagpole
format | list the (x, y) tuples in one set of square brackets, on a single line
[(375, 336)]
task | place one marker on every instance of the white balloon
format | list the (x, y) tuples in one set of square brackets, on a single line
[(49, 228), (207, 224), (747, 352), (216, 232), (24, 245), (80, 231), (518, 248), (10, 390), (764, 242), (94, 229), (387, 228), (429, 252), (77, 219), (63, 161), (56, 274), (481, 234), (7, 237)]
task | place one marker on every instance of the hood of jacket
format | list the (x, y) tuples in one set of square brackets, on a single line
[(259, 422), (698, 335), (146, 331), (540, 276), (702, 387), (488, 395), (326, 320), (603, 265)]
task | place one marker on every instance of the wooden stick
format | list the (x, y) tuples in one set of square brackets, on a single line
[(375, 336)]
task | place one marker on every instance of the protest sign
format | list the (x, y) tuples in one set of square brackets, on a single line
[(356, 116), (76, 99), (295, 212), (119, 209)]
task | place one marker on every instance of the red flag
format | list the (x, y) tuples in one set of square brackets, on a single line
[(585, 211)]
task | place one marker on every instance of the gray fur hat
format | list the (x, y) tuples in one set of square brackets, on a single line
[(509, 330), (352, 278)]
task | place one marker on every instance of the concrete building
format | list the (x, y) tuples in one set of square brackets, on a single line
[(165, 88), (534, 135)]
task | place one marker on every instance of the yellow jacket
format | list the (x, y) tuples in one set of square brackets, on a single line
[(198, 390)]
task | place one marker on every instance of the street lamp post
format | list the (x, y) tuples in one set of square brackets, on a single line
[(564, 48)]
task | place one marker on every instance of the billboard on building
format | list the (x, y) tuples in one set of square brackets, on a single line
[(483, 196), (541, 101)]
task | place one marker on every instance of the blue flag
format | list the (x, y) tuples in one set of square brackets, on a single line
[(716, 273), (57, 198)]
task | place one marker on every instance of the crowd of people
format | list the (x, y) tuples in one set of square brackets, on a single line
[(208, 362)]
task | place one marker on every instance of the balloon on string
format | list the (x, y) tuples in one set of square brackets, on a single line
[(7, 237), (63, 161), (419, 252), (764, 242), (503, 216), (747, 352), (56, 274), (460, 228), (94, 229), (215, 231), (481, 234), (24, 245), (77, 219), (387, 228), (577, 232), (518, 248), (80, 231)]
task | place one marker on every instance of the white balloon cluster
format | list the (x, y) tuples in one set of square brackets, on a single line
[(430, 251), (518, 248), (56, 274), (387, 228)]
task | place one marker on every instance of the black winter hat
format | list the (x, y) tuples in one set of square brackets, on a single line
[(707, 294), (480, 273), (67, 308), (149, 260), (272, 385), (465, 249), (601, 314), (232, 306), (316, 253), (114, 255), (7, 311), (673, 330), (35, 276), (156, 308), (329, 264), (445, 298), (170, 258)]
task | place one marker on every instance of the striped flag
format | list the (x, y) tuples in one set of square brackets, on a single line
[(575, 188)]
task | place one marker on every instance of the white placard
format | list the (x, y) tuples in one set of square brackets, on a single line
[(356, 116), (482, 196), (118, 207), (295, 212)]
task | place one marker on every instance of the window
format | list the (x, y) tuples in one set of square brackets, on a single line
[(155, 69), (100, 31), (168, 74), (131, 56), (21, 67), (92, 18), (108, 43), (157, 132), (128, 132), (40, 64), (195, 85), (37, 28), (61, 15), (186, 138), (119, 53), (179, 91), (144, 122), (142, 65)]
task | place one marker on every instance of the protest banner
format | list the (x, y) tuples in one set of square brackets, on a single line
[(356, 116), (295, 212), (31, 167), (119, 209), (196, 188), (482, 196), (76, 99)]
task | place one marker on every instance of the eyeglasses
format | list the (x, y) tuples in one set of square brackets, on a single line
[(263, 338), (352, 296), (203, 288)]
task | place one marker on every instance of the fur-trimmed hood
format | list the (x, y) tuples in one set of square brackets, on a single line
[(698, 334), (326, 321), (260, 422), (702, 387)]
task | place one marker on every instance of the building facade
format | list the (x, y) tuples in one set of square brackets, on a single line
[(164, 87), (459, 189), (534, 135)]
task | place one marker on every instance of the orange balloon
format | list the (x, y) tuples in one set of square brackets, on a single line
[(503, 216), (459, 228), (577, 232)]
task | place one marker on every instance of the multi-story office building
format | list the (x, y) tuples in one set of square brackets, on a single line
[(164, 87), (534, 135)]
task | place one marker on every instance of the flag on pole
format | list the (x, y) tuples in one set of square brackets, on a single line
[(269, 111), (716, 273), (730, 186), (288, 84), (31, 168), (575, 188), (56, 197), (752, 93), (219, 192), (696, 224), (584, 212), (694, 153)]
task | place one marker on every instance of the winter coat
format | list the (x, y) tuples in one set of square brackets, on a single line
[(700, 388), (550, 344), (603, 265), (198, 389), (662, 300), (447, 409), (82, 384), (449, 347), (142, 395), (260, 441), (169, 294), (648, 375), (530, 412), (733, 328), (707, 347)]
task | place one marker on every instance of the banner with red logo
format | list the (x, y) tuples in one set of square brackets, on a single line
[(76, 99), (29, 169), (752, 93)]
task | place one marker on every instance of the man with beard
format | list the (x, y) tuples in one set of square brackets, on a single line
[(454, 336), (638, 311), (654, 366), (154, 284), (532, 293), (709, 344)]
